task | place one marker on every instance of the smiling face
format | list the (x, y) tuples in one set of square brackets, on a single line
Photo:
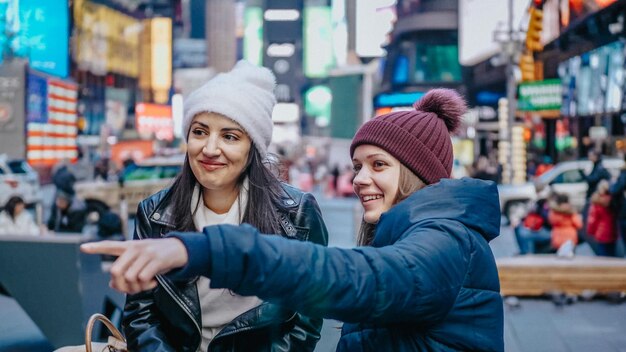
[(218, 150), (376, 180)]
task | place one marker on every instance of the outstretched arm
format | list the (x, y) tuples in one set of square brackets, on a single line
[(414, 280)]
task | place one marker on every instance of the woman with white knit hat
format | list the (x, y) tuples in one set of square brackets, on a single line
[(224, 180)]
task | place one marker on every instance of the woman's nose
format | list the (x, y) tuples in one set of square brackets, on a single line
[(211, 147), (361, 178)]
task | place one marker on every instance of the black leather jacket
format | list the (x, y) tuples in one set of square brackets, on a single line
[(168, 318)]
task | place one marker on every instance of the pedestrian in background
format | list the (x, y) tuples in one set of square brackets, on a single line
[(68, 214), (533, 233), (334, 179), (597, 174), (423, 278), (15, 220), (618, 192), (225, 179), (62, 178), (484, 169), (565, 222), (101, 169), (601, 225), (544, 166)]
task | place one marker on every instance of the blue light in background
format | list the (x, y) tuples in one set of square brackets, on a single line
[(37, 99), (401, 71), (485, 97), (396, 99), (45, 32)]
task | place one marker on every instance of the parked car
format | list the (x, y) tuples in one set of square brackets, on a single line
[(563, 178), (145, 179), (17, 178)]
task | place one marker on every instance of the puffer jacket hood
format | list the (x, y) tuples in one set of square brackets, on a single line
[(470, 201)]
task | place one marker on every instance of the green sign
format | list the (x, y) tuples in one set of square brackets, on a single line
[(317, 102), (345, 105), (253, 35), (540, 96), (318, 44)]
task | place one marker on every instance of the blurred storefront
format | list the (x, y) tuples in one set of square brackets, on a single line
[(423, 53), (593, 90), (587, 58), (71, 77), (105, 53), (120, 59), (579, 47)]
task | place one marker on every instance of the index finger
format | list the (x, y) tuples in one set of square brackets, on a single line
[(115, 248)]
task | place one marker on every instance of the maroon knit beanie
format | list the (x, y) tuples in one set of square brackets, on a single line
[(419, 138)]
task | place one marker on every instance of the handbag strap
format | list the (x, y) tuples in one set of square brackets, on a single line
[(92, 321)]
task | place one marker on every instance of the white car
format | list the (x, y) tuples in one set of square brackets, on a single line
[(564, 178), (17, 178)]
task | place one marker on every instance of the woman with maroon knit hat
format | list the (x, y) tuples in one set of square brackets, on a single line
[(423, 277)]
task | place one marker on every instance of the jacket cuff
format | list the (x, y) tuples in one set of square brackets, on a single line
[(198, 254)]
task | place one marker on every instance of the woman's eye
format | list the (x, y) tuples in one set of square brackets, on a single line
[(356, 168), (379, 163), (231, 137), (197, 132)]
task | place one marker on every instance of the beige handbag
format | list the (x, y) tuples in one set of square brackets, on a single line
[(115, 343)]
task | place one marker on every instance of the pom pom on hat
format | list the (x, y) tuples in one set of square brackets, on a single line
[(419, 138), (447, 104), (245, 95)]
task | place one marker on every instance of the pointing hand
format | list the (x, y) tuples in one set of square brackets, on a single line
[(140, 261)]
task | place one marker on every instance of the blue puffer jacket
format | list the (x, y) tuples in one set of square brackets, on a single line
[(428, 283)]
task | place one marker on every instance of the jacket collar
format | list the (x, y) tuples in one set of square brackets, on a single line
[(163, 213)]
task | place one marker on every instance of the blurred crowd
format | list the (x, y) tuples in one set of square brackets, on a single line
[(68, 214), (553, 225)]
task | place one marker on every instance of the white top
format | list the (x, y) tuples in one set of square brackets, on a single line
[(23, 224), (219, 306)]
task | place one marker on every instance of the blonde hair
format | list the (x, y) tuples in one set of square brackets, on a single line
[(603, 186), (408, 183)]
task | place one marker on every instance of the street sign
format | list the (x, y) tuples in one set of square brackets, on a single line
[(540, 95), (598, 133)]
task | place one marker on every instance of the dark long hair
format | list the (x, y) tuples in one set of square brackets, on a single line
[(11, 204), (263, 196)]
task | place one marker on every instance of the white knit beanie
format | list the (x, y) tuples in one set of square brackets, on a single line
[(245, 95)]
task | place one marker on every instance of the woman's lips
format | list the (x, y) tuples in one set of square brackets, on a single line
[(211, 165)]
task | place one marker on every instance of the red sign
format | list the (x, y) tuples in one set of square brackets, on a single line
[(5, 112), (154, 121)]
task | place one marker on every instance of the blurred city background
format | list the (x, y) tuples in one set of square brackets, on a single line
[(92, 91)]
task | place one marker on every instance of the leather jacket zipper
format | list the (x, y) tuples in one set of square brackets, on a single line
[(178, 301), (182, 305)]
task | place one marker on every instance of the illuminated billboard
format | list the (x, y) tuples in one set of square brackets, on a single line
[(253, 35), (573, 11), (318, 43), (374, 22), (44, 34), (154, 120)]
